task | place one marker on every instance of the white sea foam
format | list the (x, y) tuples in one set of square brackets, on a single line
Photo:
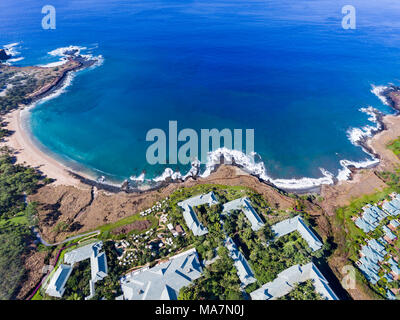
[(16, 59), (345, 173), (356, 135), (67, 82), (194, 170), (168, 173), (378, 91), (63, 51), (11, 49), (139, 178), (248, 163), (258, 169), (54, 64), (99, 60)]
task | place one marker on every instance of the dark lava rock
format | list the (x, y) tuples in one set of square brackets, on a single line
[(4, 55)]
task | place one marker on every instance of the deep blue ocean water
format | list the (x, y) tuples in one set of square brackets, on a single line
[(285, 68)]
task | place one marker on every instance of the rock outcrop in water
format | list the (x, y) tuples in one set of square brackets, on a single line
[(3, 55)]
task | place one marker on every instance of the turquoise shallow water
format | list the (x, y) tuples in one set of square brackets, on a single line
[(285, 68)]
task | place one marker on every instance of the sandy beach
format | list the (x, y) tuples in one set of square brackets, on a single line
[(26, 152)]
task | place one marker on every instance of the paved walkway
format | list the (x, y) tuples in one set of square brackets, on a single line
[(45, 243)]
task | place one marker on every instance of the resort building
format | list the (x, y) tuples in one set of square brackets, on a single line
[(244, 204), (98, 265), (394, 266), (389, 235), (243, 268), (189, 215), (370, 218), (287, 280), (393, 206), (371, 255), (163, 281), (56, 286), (393, 224), (297, 224)]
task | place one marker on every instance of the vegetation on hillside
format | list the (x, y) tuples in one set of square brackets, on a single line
[(16, 181)]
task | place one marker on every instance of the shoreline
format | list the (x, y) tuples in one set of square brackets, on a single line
[(29, 152)]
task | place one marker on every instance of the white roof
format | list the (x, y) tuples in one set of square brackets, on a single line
[(57, 283), (163, 281), (297, 224), (244, 204), (208, 198), (243, 268), (287, 280), (98, 265), (83, 253), (189, 215)]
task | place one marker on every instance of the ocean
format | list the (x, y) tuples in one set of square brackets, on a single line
[(286, 69)]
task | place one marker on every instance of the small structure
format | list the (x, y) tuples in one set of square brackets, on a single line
[(393, 206), (189, 215), (243, 268), (57, 283), (287, 279), (171, 228), (389, 235), (180, 230), (390, 295), (163, 281), (297, 224), (394, 266), (244, 204), (177, 231), (393, 224)]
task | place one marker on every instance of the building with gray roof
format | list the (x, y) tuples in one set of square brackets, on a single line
[(394, 224), (163, 281), (389, 235), (370, 218), (189, 215), (393, 206), (98, 266), (287, 280), (371, 255), (297, 224), (243, 268), (244, 204), (56, 286), (394, 266)]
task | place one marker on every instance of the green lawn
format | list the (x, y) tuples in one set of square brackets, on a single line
[(19, 219), (352, 233), (395, 146), (129, 220)]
